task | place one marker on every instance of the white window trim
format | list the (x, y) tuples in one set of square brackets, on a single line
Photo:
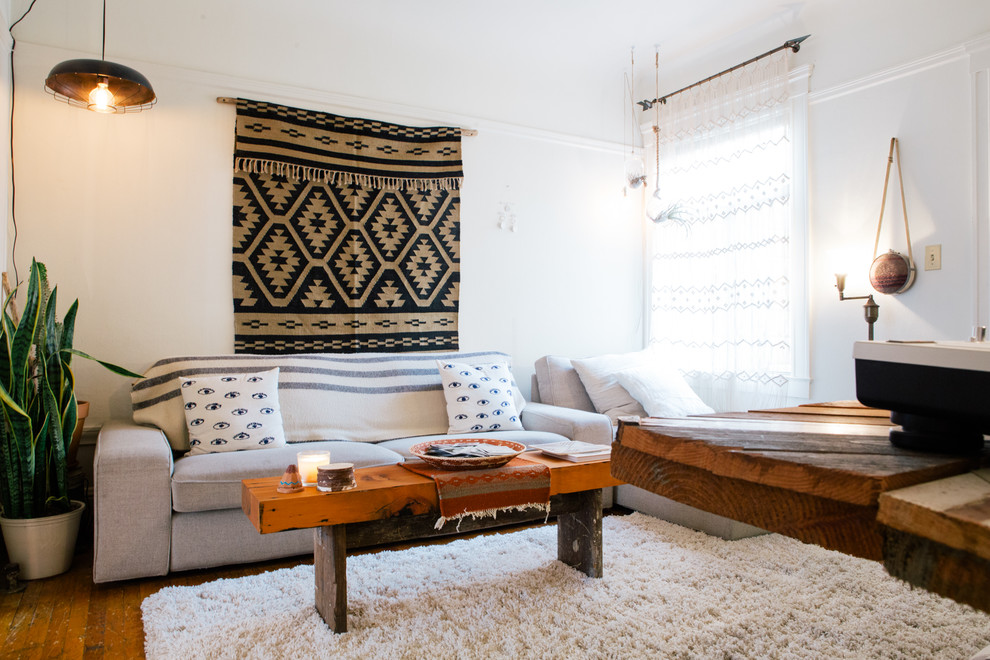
[(800, 382)]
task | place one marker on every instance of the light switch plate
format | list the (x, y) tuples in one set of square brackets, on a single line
[(933, 257)]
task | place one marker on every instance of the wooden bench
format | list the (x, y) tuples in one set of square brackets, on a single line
[(391, 504)]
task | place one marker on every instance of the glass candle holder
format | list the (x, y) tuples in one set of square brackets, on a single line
[(308, 461)]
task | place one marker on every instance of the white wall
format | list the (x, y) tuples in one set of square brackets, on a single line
[(882, 69), (929, 111), (132, 215)]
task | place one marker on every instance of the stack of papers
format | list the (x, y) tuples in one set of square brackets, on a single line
[(576, 451)]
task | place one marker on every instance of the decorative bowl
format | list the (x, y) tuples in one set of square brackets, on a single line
[(467, 462)]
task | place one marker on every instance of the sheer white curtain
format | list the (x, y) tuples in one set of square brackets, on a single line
[(720, 267)]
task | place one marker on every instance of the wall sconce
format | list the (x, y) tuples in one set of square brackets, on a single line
[(871, 309)]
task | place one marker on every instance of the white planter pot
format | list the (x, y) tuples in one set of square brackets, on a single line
[(42, 546)]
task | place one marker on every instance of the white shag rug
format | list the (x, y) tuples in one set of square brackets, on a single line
[(668, 592)]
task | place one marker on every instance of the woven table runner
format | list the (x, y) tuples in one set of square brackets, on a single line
[(516, 486)]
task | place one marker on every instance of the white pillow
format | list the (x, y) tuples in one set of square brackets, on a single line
[(661, 391), (598, 377), (479, 397), (232, 412)]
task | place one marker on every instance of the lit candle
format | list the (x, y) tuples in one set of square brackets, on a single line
[(308, 462)]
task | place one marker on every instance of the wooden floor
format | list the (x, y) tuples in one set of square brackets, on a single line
[(68, 616)]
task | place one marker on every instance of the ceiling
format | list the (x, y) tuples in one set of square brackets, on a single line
[(550, 64)]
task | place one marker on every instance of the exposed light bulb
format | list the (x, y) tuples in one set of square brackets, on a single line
[(101, 98)]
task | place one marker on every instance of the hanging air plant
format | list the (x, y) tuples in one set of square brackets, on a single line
[(660, 211)]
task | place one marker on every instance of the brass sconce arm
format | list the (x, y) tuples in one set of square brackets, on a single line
[(871, 310)]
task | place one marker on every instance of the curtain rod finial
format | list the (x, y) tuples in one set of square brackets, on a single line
[(795, 44)]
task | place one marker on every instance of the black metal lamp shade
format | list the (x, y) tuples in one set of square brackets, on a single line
[(74, 82)]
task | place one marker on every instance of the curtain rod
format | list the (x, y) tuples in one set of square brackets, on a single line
[(793, 44), (467, 132)]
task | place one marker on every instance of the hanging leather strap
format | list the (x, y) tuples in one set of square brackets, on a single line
[(894, 152)]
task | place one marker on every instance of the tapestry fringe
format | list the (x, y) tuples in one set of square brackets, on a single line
[(307, 173), (492, 513)]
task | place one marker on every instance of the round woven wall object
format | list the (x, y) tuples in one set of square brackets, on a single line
[(892, 273)]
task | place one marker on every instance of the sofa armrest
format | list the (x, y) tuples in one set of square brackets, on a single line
[(132, 512), (577, 425)]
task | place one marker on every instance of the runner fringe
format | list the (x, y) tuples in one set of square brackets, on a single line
[(492, 513), (304, 173)]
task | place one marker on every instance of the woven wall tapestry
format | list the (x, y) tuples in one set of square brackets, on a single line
[(346, 233)]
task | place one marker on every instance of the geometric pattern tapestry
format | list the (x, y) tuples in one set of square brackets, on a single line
[(346, 233)]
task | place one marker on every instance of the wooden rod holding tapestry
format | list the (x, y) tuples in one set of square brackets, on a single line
[(346, 233), (230, 100)]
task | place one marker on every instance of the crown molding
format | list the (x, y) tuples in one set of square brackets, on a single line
[(262, 90), (948, 56)]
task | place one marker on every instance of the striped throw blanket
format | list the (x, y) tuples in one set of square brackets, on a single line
[(365, 397)]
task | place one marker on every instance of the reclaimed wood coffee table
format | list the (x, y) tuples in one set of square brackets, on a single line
[(813, 472), (393, 504)]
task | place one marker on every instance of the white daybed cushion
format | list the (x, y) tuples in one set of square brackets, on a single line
[(661, 391), (598, 374)]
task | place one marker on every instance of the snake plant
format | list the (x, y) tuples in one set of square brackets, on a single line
[(37, 400)]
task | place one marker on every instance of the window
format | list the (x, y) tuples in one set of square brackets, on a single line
[(727, 295)]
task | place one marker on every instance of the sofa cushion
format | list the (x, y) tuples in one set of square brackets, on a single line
[(207, 482), (480, 398), (528, 438), (232, 412), (363, 397), (560, 385)]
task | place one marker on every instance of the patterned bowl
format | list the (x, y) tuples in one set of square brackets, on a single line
[(467, 462)]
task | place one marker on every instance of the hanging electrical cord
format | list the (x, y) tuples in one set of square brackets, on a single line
[(13, 187), (634, 169), (654, 210), (657, 209)]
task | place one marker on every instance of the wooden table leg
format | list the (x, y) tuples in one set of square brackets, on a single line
[(579, 534), (330, 567)]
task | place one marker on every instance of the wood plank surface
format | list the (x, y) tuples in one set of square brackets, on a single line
[(381, 492), (823, 460), (821, 415), (941, 569), (954, 511), (827, 522), (386, 492)]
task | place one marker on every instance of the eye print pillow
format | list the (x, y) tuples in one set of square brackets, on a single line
[(232, 412)]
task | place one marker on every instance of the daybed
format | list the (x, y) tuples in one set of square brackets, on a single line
[(161, 506), (603, 384)]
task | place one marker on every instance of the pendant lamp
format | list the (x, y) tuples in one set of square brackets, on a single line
[(99, 85)]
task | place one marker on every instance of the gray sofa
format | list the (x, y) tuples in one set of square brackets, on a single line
[(158, 509), (558, 384)]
